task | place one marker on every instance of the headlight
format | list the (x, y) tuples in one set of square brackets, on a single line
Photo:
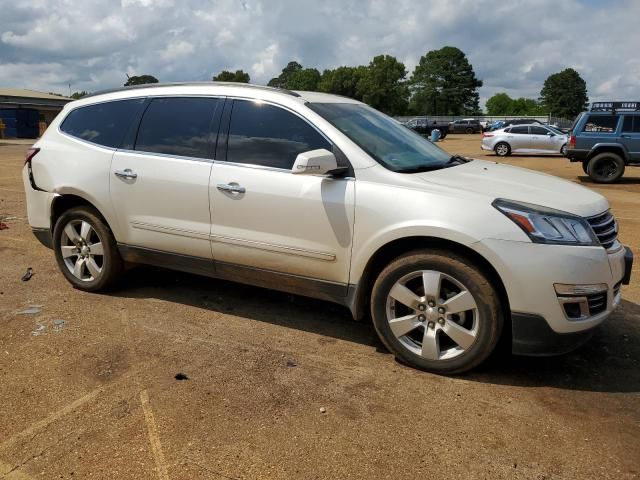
[(546, 225)]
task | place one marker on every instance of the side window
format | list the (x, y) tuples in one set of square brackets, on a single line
[(601, 123), (179, 126), (263, 134), (520, 130), (538, 131), (103, 123), (631, 124)]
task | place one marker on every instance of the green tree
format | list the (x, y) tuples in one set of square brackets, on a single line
[(281, 80), (444, 83), (304, 79), (499, 104), (238, 76), (503, 104), (342, 81), (140, 80), (77, 95), (383, 87), (564, 94)]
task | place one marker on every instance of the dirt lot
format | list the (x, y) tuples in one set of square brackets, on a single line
[(95, 396)]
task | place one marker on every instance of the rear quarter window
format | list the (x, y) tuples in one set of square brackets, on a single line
[(601, 123), (103, 123)]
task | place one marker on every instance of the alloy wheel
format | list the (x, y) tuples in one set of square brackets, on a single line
[(82, 250), (432, 314), (502, 149)]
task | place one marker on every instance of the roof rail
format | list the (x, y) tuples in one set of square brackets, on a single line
[(193, 84), (615, 106)]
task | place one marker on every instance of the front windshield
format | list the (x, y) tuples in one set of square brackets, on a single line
[(391, 144)]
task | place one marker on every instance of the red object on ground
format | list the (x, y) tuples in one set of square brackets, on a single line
[(4, 226)]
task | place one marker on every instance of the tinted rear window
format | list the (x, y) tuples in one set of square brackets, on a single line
[(520, 130), (601, 123), (179, 126), (631, 124), (103, 123)]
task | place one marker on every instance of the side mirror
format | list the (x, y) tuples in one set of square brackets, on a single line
[(315, 162), (551, 134)]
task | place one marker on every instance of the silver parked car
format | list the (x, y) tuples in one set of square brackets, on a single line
[(525, 139)]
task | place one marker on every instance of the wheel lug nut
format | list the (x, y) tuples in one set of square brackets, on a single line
[(422, 318), (441, 321), (432, 304), (441, 310), (431, 325), (422, 307)]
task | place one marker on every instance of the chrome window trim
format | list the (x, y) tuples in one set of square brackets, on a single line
[(166, 155)]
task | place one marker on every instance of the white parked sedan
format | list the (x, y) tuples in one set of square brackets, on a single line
[(525, 139)]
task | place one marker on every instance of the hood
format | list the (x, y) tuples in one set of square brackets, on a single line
[(498, 180)]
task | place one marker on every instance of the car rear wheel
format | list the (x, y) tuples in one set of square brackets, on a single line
[(86, 250), (563, 150), (469, 130), (606, 167), (502, 149), (436, 311)]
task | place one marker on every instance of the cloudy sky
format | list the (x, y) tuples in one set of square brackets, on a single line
[(513, 45)]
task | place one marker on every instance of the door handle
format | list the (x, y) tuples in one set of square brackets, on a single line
[(231, 187), (127, 174)]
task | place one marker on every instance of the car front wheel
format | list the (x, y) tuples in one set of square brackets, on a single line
[(436, 311), (86, 250)]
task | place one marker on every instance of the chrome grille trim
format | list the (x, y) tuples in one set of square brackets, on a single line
[(605, 227)]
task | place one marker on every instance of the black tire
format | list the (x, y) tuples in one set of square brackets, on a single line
[(500, 149), (111, 264), (489, 316), (585, 164), (444, 135), (606, 167), (563, 150), (469, 130)]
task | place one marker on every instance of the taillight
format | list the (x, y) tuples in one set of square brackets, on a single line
[(30, 154), (572, 141), (487, 134)]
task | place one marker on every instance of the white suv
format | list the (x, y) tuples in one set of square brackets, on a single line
[(323, 196)]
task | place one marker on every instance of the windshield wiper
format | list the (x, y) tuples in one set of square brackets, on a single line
[(457, 159), (452, 162)]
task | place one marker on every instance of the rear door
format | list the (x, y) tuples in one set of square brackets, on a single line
[(519, 138), (630, 137), (160, 185)]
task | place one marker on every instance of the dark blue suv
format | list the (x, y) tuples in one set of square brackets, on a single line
[(606, 139)]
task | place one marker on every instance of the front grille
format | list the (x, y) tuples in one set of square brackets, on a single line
[(605, 228), (597, 302)]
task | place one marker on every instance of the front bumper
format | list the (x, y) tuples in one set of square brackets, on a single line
[(540, 323)]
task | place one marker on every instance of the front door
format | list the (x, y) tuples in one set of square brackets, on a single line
[(160, 188), (630, 136), (268, 219)]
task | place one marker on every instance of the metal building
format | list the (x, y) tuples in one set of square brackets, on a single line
[(27, 113)]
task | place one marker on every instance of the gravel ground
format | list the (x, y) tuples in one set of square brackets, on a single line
[(283, 387)]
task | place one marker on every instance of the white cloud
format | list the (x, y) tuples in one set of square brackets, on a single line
[(512, 45)]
